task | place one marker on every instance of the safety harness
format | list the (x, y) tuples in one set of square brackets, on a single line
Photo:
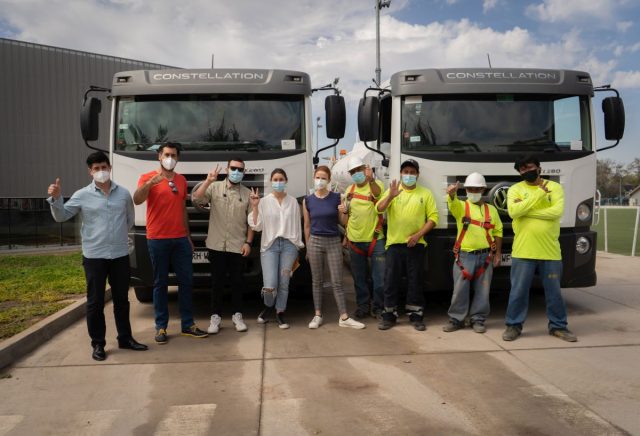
[(487, 226), (378, 230)]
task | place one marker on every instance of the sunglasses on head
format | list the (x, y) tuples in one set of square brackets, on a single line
[(173, 187), (237, 169)]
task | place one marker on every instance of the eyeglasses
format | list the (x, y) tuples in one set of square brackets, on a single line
[(241, 169), (173, 187)]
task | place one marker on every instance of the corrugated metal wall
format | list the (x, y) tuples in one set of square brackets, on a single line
[(41, 90)]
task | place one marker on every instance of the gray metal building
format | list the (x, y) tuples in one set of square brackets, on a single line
[(41, 91)]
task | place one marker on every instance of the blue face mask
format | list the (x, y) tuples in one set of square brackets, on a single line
[(278, 186), (235, 176), (358, 177), (409, 179)]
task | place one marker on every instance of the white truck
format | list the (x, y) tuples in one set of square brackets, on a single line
[(457, 121), (262, 116)]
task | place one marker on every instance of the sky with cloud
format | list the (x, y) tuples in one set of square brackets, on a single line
[(336, 38)]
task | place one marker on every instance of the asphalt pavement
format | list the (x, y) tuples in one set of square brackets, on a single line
[(337, 380)]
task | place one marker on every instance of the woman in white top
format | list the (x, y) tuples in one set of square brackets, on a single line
[(278, 217)]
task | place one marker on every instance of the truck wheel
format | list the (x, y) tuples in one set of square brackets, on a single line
[(144, 294)]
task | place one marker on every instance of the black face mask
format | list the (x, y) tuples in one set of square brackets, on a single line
[(530, 176)]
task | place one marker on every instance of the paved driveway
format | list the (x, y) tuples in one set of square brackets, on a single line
[(340, 381)]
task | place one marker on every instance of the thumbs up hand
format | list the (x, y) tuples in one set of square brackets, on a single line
[(54, 189)]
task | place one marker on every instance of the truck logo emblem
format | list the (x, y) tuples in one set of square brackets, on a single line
[(498, 196)]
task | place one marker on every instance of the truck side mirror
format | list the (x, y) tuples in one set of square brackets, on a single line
[(335, 116), (385, 118), (613, 109), (368, 118), (89, 119)]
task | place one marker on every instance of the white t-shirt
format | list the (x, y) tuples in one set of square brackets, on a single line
[(277, 220)]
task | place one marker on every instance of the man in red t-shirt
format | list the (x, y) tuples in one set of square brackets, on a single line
[(168, 240)]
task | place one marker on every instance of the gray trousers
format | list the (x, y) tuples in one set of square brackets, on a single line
[(327, 248)]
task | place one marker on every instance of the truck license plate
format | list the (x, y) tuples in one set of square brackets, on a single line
[(506, 259), (200, 256)]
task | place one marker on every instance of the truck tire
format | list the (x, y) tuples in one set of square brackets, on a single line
[(144, 294)]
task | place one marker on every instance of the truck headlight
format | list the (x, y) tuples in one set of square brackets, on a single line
[(583, 245), (583, 212)]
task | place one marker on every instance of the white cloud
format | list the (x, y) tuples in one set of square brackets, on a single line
[(570, 10), (626, 79), (487, 5), (623, 26)]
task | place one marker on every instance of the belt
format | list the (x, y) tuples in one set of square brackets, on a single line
[(482, 251)]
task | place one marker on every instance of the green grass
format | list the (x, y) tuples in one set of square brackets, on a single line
[(620, 224), (35, 286)]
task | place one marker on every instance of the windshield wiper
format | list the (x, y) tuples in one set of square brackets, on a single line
[(460, 147)]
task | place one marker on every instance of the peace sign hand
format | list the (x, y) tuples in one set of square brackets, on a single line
[(213, 175), (254, 197)]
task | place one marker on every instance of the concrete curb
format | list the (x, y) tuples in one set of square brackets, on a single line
[(25, 342)]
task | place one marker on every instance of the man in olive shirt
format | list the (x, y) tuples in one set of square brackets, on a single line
[(411, 214), (536, 206), (229, 238)]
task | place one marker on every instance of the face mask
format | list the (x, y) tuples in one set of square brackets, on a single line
[(358, 177), (169, 163), (320, 183), (235, 176), (474, 197), (409, 179), (530, 176), (278, 186), (101, 176)]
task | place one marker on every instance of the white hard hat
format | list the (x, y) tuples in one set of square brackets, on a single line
[(354, 162), (475, 180)]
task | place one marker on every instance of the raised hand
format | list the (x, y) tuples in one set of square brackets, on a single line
[(452, 189), (156, 179), (368, 173), (54, 189), (213, 175), (394, 188), (254, 197)]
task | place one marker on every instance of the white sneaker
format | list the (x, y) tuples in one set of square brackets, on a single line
[(239, 323), (350, 322), (214, 327), (315, 322)]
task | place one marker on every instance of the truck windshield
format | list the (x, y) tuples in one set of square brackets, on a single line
[(496, 123), (211, 122)]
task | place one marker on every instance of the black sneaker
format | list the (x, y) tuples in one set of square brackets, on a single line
[(280, 320), (194, 332), (417, 321), (360, 314), (452, 326), (161, 336), (263, 318), (387, 320)]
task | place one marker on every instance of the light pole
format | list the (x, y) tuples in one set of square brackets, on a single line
[(318, 125), (379, 5)]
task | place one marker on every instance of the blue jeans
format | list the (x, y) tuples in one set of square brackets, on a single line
[(276, 272), (522, 271), (359, 271), (459, 308), (177, 253)]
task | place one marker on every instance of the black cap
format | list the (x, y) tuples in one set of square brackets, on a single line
[(410, 163)]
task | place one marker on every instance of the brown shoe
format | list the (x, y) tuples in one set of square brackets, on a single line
[(564, 334)]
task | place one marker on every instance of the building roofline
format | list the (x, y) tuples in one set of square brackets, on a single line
[(79, 52)]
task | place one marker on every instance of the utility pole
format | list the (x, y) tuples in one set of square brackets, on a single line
[(379, 5)]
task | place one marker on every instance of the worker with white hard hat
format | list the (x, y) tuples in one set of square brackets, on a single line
[(364, 237), (477, 251)]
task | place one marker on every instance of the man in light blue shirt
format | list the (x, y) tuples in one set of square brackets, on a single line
[(106, 211)]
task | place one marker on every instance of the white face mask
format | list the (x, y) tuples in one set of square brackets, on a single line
[(320, 183), (101, 176), (169, 163), (474, 197)]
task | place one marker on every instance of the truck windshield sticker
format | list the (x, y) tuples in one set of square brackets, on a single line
[(288, 144)]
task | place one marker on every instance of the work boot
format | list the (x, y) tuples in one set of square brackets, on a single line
[(452, 326), (417, 321), (511, 333), (387, 320), (564, 334)]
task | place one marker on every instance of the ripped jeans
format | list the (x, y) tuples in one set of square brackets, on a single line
[(276, 262)]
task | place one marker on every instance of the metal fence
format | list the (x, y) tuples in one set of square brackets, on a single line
[(27, 222), (617, 229)]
